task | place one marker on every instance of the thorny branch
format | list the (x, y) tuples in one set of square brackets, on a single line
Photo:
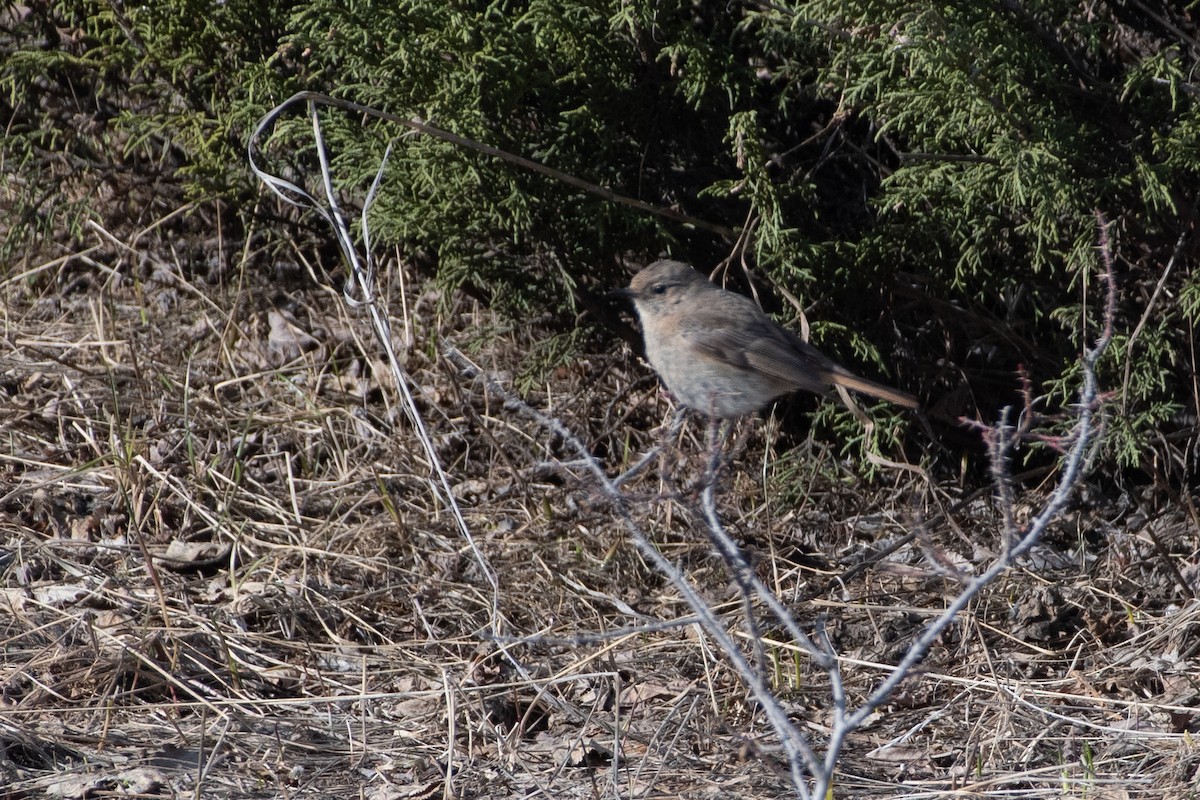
[(800, 754), (1003, 438)]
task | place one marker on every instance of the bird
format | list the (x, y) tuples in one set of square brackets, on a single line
[(721, 355)]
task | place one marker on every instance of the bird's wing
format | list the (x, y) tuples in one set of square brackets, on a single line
[(760, 345), (781, 354)]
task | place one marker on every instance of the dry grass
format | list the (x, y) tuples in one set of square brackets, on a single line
[(225, 573)]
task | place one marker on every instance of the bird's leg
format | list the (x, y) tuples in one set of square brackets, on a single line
[(736, 559), (670, 452), (718, 433)]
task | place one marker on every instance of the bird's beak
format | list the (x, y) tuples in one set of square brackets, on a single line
[(622, 294)]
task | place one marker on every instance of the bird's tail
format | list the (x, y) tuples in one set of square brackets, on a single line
[(873, 389)]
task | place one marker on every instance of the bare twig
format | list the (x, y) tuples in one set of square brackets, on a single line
[(1083, 440), (316, 98), (363, 276)]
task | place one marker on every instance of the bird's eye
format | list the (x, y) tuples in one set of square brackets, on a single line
[(659, 288)]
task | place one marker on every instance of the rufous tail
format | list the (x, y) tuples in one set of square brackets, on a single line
[(873, 389)]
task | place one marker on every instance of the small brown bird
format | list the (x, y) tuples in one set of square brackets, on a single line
[(721, 355)]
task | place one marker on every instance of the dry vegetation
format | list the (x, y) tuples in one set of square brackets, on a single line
[(225, 572)]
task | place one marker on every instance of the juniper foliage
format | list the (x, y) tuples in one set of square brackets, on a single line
[(925, 177)]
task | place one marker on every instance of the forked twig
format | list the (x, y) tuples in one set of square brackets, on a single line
[(363, 277), (813, 777), (316, 98), (1083, 440), (801, 758)]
